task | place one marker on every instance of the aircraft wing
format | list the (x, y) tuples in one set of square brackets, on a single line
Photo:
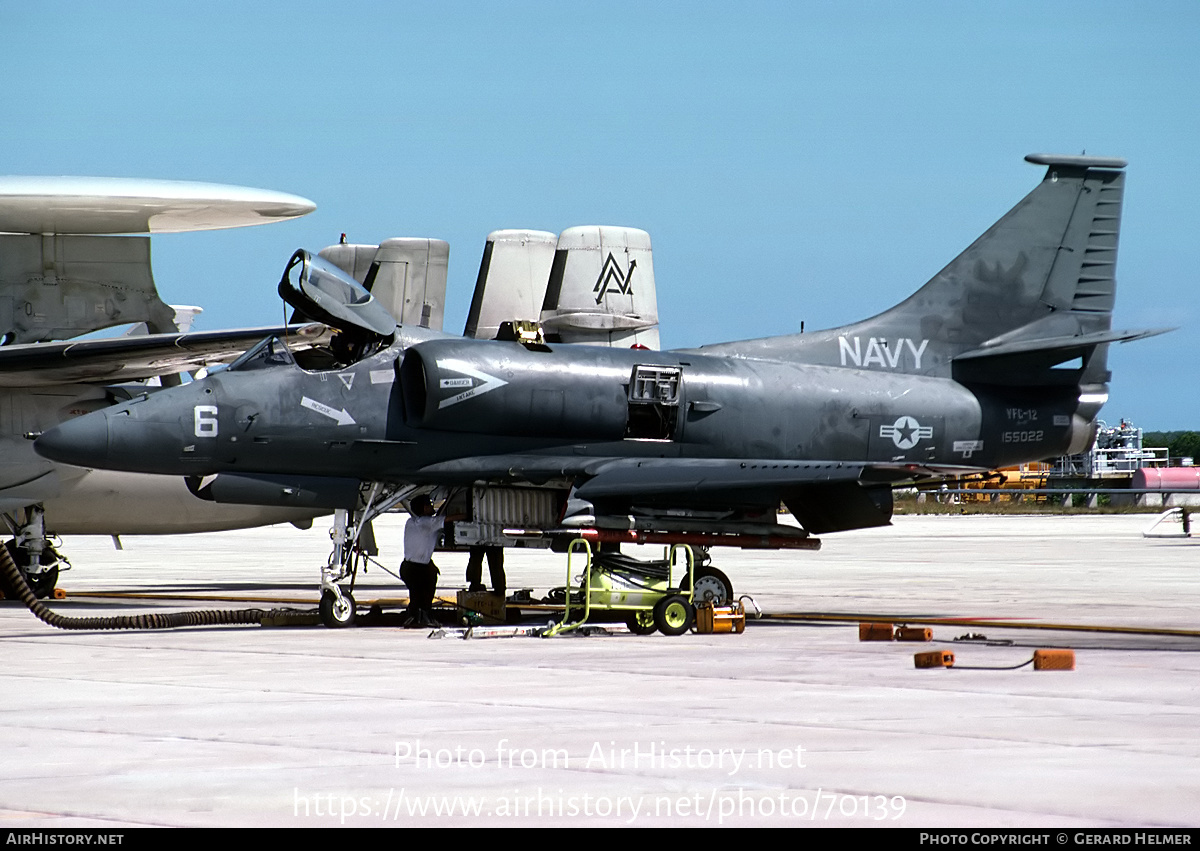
[(824, 496), (537, 469), (134, 358), (633, 476)]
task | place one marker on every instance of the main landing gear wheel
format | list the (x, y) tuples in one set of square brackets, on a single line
[(337, 613), (641, 623), (712, 586), (674, 615)]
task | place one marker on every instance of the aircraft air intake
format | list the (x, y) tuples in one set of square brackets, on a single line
[(506, 389)]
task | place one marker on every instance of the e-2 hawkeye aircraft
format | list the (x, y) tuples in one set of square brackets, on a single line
[(999, 359), (75, 259)]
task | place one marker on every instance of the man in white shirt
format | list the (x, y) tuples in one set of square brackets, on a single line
[(418, 572)]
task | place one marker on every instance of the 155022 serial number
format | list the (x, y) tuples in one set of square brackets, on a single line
[(1031, 436)]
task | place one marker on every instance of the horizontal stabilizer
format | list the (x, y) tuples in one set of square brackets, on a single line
[(1080, 161), (185, 318), (1065, 345)]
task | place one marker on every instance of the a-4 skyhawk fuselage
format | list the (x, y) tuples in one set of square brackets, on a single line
[(999, 359)]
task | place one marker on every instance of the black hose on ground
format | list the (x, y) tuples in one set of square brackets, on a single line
[(14, 580)]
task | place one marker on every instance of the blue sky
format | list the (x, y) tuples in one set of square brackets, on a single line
[(791, 161)]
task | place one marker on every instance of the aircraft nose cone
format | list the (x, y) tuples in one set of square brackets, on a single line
[(82, 441)]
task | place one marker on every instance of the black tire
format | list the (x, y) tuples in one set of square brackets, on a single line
[(712, 586), (42, 584), (337, 616), (674, 615), (641, 623)]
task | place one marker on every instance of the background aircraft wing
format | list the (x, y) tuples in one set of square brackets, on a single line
[(65, 271), (133, 358)]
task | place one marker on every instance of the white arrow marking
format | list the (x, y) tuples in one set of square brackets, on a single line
[(342, 417), (490, 382)]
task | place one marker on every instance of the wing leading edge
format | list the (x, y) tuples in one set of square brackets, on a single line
[(135, 358)]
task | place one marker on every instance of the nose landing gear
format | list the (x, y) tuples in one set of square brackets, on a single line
[(337, 608), (34, 554)]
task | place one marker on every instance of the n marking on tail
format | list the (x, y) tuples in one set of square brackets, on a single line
[(609, 272)]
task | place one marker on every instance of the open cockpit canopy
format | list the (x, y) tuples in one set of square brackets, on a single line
[(322, 292)]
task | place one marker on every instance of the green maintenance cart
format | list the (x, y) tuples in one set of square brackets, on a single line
[(642, 591)]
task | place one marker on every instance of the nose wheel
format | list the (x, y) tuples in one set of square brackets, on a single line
[(33, 552), (337, 609), (40, 570)]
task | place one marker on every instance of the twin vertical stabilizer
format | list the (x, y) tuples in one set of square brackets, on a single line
[(592, 284)]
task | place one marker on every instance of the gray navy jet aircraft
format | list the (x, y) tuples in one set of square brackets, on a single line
[(999, 359)]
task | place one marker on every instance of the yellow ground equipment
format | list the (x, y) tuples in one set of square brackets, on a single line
[(643, 592), (712, 618)]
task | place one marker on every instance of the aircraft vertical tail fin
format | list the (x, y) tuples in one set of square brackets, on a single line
[(590, 284), (58, 286), (512, 280), (601, 288), (410, 277), (353, 258), (406, 274), (1039, 283)]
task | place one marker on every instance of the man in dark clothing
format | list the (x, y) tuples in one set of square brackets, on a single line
[(495, 560), (418, 572)]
